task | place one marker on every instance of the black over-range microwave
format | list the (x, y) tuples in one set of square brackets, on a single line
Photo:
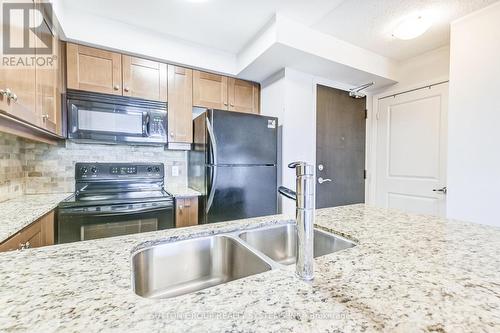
[(94, 117)]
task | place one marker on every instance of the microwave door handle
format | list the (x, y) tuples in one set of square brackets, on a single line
[(146, 127)]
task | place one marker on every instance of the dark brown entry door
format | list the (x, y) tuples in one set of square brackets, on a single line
[(340, 148)]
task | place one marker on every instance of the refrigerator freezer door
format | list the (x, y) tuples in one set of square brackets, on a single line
[(238, 192), (242, 138)]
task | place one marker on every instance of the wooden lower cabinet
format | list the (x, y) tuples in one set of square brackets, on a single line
[(186, 212), (39, 233)]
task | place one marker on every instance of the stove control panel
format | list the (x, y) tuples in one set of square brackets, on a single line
[(88, 171), (124, 170)]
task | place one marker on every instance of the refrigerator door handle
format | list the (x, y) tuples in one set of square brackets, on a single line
[(213, 144)]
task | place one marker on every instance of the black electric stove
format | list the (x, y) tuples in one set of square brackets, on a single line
[(113, 199)]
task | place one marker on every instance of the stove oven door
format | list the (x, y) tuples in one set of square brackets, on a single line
[(86, 223)]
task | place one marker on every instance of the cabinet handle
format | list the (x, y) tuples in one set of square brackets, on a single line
[(225, 104), (126, 89), (172, 134), (8, 94), (232, 105), (45, 117), (116, 87), (13, 97), (24, 246)]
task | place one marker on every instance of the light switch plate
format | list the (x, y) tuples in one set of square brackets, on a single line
[(175, 171)]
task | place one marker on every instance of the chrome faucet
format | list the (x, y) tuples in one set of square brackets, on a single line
[(304, 213)]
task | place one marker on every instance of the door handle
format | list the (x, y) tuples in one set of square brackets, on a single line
[(443, 190), (321, 180), (213, 144)]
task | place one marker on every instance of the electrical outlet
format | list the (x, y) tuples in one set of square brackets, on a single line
[(175, 171)]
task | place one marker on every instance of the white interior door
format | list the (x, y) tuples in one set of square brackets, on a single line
[(411, 151)]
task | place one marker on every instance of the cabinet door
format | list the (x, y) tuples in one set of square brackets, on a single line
[(32, 236), (39, 233), (243, 96), (180, 104), (144, 78), (93, 70), (11, 244), (209, 90), (20, 79), (48, 86), (186, 212)]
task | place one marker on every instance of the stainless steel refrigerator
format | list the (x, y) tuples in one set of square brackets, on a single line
[(233, 165)]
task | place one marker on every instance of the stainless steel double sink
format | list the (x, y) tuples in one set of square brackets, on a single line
[(182, 267)]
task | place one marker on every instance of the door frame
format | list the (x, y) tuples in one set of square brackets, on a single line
[(371, 131)]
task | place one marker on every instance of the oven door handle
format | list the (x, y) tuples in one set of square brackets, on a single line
[(126, 211)]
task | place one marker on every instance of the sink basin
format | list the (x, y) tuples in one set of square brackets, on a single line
[(279, 243), (182, 267)]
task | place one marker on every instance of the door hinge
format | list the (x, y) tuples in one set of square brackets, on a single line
[(364, 174), (366, 114)]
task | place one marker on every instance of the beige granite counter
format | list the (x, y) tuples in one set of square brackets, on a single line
[(408, 273), (15, 214), (182, 191)]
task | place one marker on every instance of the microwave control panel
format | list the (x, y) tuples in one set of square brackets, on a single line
[(157, 125)]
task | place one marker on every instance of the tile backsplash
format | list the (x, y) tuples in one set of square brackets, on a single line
[(31, 167), (11, 167)]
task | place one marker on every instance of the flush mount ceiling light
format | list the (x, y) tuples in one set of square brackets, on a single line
[(412, 27)]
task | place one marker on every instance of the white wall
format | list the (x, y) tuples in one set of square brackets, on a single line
[(289, 95), (474, 118), (423, 69), (98, 31)]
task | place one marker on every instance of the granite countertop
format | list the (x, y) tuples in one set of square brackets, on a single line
[(15, 214), (408, 273), (182, 191)]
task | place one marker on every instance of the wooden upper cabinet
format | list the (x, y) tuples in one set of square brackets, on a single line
[(94, 70), (144, 78), (210, 90), (180, 104), (243, 96), (19, 81), (49, 86)]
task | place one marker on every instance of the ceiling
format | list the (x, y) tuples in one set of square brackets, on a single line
[(229, 25), (370, 23)]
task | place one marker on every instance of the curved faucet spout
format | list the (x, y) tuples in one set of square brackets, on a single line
[(304, 214)]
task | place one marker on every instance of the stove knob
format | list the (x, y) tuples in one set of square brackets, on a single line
[(157, 169), (84, 170), (93, 169), (150, 169)]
